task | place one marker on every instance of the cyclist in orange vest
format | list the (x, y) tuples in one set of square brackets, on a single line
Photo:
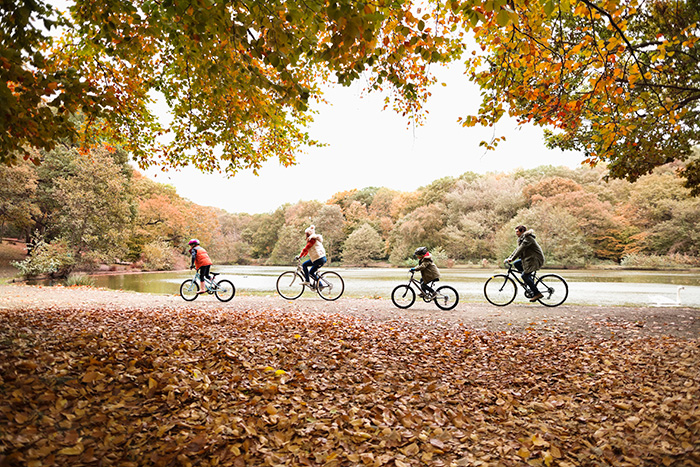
[(201, 261)]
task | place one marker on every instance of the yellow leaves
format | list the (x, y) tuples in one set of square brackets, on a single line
[(73, 450), (524, 453), (538, 441)]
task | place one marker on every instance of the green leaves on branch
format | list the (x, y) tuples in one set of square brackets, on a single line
[(238, 77)]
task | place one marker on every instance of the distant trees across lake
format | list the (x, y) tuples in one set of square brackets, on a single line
[(81, 210)]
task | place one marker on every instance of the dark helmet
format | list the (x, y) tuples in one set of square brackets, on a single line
[(422, 251)]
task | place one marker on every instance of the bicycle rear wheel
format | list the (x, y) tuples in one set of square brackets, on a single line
[(289, 285), (446, 297), (188, 290), (500, 290), (554, 288), (403, 296), (225, 290), (330, 286)]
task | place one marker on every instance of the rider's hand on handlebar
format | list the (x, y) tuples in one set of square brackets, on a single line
[(296, 258)]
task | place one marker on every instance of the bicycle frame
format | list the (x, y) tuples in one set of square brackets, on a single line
[(328, 285), (312, 281), (418, 285), (445, 297), (501, 289), (208, 283), (512, 273)]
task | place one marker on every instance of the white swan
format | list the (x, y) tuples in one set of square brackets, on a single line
[(660, 300)]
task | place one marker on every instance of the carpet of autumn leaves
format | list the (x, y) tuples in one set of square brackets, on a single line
[(129, 386)]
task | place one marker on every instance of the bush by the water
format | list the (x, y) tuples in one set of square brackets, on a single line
[(158, 256), (52, 259), (79, 280)]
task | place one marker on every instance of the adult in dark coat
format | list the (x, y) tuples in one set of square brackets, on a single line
[(527, 258)]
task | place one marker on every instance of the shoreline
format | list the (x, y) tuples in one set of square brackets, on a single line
[(604, 322)]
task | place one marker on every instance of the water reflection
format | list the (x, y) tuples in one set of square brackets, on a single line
[(585, 287)]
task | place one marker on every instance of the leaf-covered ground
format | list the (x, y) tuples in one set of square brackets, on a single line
[(232, 385)]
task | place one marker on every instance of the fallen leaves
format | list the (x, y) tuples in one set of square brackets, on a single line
[(186, 386)]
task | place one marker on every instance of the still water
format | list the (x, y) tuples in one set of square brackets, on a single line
[(589, 287)]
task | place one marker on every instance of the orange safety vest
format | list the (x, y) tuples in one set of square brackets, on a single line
[(202, 258)]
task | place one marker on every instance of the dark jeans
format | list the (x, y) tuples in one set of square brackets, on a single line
[(204, 272), (426, 287), (527, 276), (314, 265)]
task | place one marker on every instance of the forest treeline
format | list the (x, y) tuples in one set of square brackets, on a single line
[(79, 210)]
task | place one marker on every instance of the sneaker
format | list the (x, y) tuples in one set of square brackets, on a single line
[(536, 297), (306, 283)]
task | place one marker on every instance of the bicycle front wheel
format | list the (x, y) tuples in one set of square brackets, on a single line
[(554, 288), (289, 285), (189, 289), (403, 296), (446, 297), (225, 290), (500, 290), (330, 286)]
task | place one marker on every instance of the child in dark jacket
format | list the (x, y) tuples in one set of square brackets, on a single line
[(428, 270)]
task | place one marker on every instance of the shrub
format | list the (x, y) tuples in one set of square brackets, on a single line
[(53, 259), (440, 257), (158, 256), (79, 280)]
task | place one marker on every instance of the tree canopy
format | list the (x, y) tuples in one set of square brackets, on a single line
[(616, 79), (238, 76)]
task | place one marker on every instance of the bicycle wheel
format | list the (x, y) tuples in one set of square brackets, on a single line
[(500, 290), (189, 289), (224, 290), (403, 296), (330, 286), (289, 285), (554, 288), (446, 297)]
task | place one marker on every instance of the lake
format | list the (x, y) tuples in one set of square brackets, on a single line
[(586, 287)]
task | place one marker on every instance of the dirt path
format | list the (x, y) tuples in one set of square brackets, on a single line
[(590, 321)]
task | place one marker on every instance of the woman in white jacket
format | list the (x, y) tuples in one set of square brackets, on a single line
[(317, 254)]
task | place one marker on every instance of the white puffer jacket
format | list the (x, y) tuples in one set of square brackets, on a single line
[(314, 247)]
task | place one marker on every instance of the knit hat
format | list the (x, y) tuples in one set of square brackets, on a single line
[(311, 230)]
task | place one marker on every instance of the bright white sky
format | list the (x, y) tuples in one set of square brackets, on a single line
[(368, 146)]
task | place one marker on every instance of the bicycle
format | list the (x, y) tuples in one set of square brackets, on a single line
[(500, 289), (445, 297), (223, 289), (329, 286)]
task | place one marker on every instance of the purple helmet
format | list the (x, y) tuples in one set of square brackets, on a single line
[(193, 242)]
